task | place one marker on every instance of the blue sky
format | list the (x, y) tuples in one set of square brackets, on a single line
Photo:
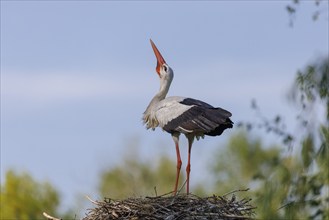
[(76, 76)]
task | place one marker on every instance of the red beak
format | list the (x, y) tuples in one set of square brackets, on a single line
[(160, 60)]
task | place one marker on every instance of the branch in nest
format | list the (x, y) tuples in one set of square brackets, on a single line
[(237, 190), (92, 201), (49, 217)]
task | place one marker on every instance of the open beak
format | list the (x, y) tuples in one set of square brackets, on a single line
[(160, 60)]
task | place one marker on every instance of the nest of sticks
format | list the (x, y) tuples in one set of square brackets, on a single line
[(177, 207)]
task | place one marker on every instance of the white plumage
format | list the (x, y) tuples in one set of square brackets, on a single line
[(168, 109)]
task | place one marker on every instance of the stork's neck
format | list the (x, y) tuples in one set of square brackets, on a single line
[(165, 81), (149, 117), (164, 88)]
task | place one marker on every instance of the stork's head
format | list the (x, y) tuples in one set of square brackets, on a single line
[(163, 69)]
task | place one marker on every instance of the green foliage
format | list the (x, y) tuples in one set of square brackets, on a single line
[(136, 178), (251, 162), (24, 198), (246, 163), (280, 184), (294, 186), (309, 189), (312, 85), (311, 89)]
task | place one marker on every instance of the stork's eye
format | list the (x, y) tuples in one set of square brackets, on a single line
[(165, 68)]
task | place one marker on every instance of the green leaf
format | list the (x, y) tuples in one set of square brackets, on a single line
[(307, 151)]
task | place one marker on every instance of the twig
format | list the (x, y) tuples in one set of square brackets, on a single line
[(155, 190), (95, 202), (49, 217), (236, 216), (182, 187), (155, 197), (234, 191), (174, 197), (296, 202)]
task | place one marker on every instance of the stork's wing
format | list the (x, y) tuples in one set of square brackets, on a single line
[(195, 116)]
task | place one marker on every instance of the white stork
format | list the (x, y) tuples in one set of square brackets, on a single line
[(178, 115)]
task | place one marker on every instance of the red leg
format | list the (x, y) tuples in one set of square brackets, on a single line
[(179, 161), (188, 167)]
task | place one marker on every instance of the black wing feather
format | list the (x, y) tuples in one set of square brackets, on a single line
[(202, 118)]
